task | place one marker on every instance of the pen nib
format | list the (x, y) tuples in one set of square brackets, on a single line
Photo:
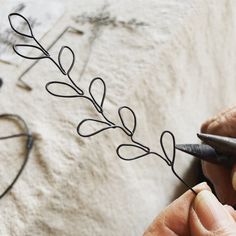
[(188, 148)]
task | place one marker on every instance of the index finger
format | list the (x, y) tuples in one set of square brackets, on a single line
[(223, 124), (174, 219), (224, 180)]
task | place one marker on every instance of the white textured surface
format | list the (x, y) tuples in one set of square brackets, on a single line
[(28, 8), (174, 73)]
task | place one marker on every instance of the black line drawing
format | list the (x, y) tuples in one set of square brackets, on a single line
[(97, 103)]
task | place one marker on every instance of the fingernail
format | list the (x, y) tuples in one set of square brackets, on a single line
[(230, 209), (210, 211), (201, 186), (204, 168), (234, 178)]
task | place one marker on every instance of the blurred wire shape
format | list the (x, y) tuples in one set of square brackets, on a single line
[(28, 146)]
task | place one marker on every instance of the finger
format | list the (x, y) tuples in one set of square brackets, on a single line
[(221, 179), (223, 124), (224, 182), (233, 175), (174, 219), (231, 211), (209, 217)]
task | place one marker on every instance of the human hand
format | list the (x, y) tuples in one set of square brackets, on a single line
[(223, 179), (195, 215)]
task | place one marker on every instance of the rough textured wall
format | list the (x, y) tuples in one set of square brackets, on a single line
[(174, 72)]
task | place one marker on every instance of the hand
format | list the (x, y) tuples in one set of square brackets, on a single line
[(195, 215), (224, 180)]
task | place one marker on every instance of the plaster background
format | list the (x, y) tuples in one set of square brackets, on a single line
[(175, 72)]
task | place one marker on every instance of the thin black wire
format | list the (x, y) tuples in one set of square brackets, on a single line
[(22, 83), (77, 92), (28, 147)]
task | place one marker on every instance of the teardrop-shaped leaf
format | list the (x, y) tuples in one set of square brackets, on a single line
[(140, 152), (20, 21), (68, 65), (63, 88), (90, 123), (36, 50), (130, 122), (100, 93), (170, 156)]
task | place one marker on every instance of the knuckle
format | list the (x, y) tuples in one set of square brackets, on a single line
[(222, 124)]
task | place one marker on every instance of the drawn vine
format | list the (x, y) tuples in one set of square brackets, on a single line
[(96, 103)]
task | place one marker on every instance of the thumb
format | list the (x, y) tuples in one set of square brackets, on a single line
[(209, 217)]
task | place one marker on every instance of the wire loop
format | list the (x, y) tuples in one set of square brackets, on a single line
[(98, 105), (28, 146)]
